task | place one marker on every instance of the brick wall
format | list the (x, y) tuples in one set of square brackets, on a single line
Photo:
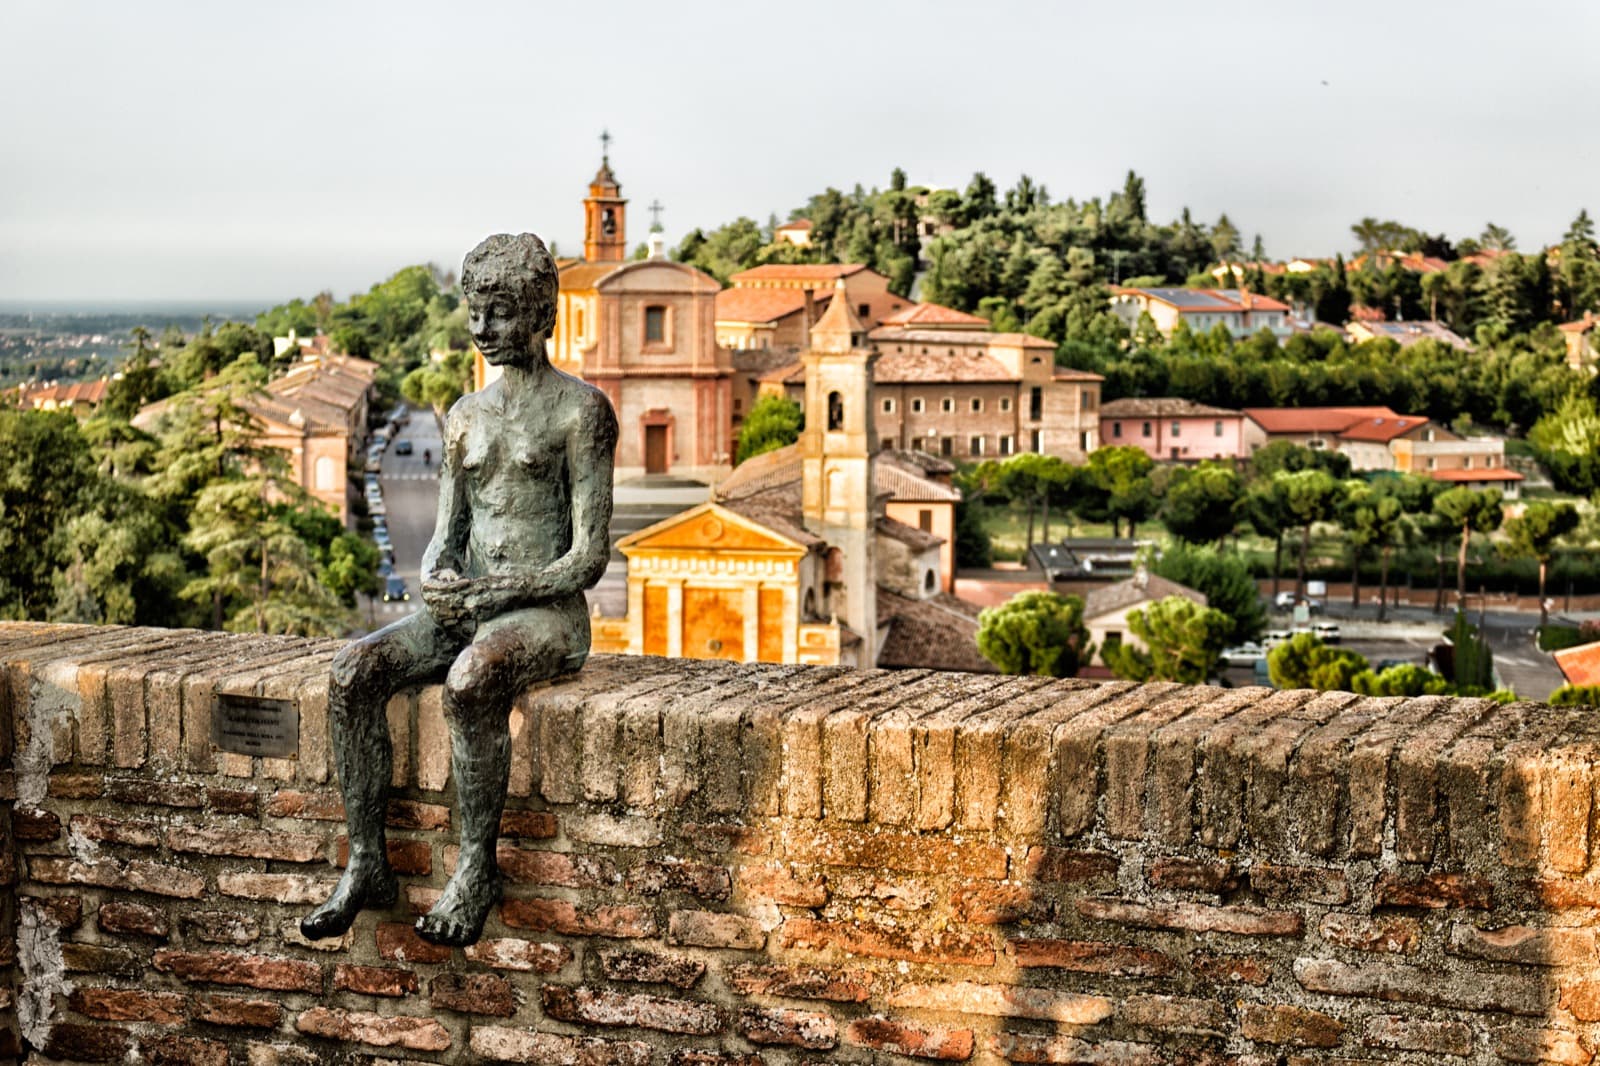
[(716, 863)]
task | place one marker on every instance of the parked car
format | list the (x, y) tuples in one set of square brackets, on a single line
[(374, 462), (376, 507), (1275, 637), (1247, 654), (1285, 600), (380, 439), (394, 588), (1327, 632), (385, 566), (402, 447), (400, 415)]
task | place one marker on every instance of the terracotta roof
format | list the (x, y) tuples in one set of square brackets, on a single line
[(762, 305), (797, 224), (939, 632), (1162, 407), (933, 315), (86, 392), (901, 368), (904, 478), (790, 372), (777, 507), (919, 462), (916, 539), (1385, 423), (1582, 325), (1580, 665), (1493, 473), (581, 276), (1406, 334), (1205, 301), (840, 318), (1067, 373), (1135, 590), (892, 475), (1381, 428), (798, 272), (760, 362), (970, 338)]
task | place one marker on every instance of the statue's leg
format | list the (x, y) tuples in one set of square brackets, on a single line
[(363, 677), (508, 654)]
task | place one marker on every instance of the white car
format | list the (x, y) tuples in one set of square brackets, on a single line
[(1275, 637), (1327, 632), (1247, 654)]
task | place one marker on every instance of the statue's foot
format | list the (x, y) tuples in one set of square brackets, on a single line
[(457, 919), (360, 887)]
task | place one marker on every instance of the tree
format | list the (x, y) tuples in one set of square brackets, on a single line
[(973, 548), (1533, 534), (1202, 505), (1576, 696), (1183, 642), (439, 385), (1402, 680), (1039, 633), (1122, 473), (773, 422), (1303, 661), (1031, 479), (1224, 579), (1567, 441), (1310, 496), (1372, 519), (1469, 661), (1266, 509), (1470, 511)]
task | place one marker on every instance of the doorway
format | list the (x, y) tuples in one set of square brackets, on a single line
[(655, 449)]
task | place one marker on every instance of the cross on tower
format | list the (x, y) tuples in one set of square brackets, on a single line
[(605, 144), (655, 210)]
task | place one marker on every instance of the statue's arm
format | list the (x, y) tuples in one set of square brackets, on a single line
[(591, 452), (447, 549)]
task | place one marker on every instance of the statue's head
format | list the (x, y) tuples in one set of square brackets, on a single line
[(511, 284)]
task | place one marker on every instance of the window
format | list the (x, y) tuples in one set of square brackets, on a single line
[(925, 520), (1145, 429), (864, 310), (835, 411), (1005, 403), (1433, 464), (886, 444), (738, 405), (1116, 429), (1173, 452), (888, 407), (1216, 429), (1038, 441), (977, 404), (1008, 444), (1113, 636), (930, 584), (916, 405), (1035, 403), (577, 323), (1177, 429), (655, 325), (975, 446), (948, 404), (1469, 463), (947, 446), (1091, 399), (1086, 442)]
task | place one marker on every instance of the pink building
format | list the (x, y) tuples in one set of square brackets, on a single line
[(1174, 430)]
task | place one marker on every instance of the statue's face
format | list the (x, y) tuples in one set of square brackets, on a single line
[(501, 326)]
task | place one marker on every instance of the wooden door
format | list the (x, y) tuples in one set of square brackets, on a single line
[(655, 449)]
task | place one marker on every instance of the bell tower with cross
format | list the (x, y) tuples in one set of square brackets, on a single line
[(605, 213)]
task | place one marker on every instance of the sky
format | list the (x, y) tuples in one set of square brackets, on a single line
[(181, 152)]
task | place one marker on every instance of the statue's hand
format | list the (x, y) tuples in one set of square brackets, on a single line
[(445, 593), (487, 597)]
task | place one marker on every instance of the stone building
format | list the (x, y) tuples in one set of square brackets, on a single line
[(1178, 430), (798, 556), (644, 333)]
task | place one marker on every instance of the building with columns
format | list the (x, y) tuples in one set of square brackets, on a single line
[(644, 333), (796, 557)]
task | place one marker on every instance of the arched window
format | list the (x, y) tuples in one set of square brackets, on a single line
[(930, 584), (835, 411)]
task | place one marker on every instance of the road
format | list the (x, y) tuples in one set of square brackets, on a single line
[(411, 493)]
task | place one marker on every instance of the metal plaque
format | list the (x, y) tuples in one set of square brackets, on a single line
[(251, 725)]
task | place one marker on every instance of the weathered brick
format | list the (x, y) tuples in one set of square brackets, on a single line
[(788, 1028), (1089, 956), (1283, 1024), (117, 917), (1582, 998), (522, 955), (715, 838), (781, 884), (127, 831), (472, 993), (374, 980), (1293, 884), (1411, 1034), (528, 825), (183, 1051), (613, 831), (1195, 917), (1561, 946), (109, 873), (128, 1005), (696, 1057), (827, 845), (76, 786), (1003, 1001), (237, 1012), (255, 971), (841, 986), (96, 958), (221, 927), (234, 801), (601, 1007), (559, 916), (1173, 1014), (416, 1034), (311, 806), (399, 942), (1037, 1048), (34, 824), (707, 929), (139, 791), (1388, 934), (558, 868), (1064, 866), (288, 889), (1193, 875), (651, 967), (1510, 994), (998, 903), (500, 1044), (901, 1038), (87, 1043), (938, 946), (1434, 891), (1541, 1045), (1233, 969), (63, 912), (697, 879)]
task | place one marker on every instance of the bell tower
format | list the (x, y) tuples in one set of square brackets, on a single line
[(605, 233), (836, 487)]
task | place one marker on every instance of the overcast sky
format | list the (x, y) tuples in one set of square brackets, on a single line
[(160, 150)]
